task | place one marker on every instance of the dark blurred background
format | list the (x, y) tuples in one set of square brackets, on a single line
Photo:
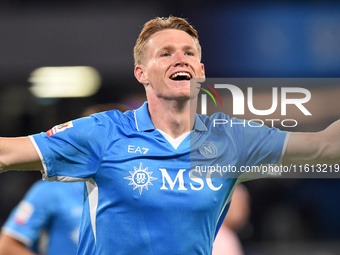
[(238, 38)]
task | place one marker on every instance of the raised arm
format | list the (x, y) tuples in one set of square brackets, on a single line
[(18, 154), (12, 246), (314, 148)]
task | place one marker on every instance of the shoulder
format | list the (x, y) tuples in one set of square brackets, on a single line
[(47, 188), (112, 118), (220, 121), (39, 186), (213, 119), (94, 127), (222, 124)]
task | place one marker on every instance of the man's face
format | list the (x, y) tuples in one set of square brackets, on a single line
[(171, 59)]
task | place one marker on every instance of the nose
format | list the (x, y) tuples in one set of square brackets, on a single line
[(180, 59)]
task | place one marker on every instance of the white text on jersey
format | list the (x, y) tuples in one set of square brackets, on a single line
[(134, 149)]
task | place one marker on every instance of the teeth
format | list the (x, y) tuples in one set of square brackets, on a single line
[(180, 74)]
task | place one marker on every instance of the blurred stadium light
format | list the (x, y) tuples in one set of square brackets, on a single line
[(70, 81)]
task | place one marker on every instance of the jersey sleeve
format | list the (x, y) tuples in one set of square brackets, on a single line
[(259, 144), (31, 215), (72, 151), (248, 147)]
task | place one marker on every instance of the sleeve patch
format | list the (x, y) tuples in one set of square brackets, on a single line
[(24, 212), (59, 128)]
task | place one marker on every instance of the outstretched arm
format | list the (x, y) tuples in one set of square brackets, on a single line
[(11, 246), (18, 154), (314, 148)]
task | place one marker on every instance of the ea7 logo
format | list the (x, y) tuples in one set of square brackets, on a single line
[(137, 149)]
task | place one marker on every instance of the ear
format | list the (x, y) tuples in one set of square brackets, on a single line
[(140, 75), (203, 70)]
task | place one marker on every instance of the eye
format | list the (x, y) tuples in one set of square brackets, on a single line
[(189, 53), (165, 54)]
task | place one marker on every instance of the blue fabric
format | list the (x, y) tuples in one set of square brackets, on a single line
[(145, 196), (50, 207)]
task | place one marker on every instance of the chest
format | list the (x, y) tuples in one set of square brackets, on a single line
[(150, 172)]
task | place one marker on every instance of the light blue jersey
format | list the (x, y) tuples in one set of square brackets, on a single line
[(145, 194), (47, 220)]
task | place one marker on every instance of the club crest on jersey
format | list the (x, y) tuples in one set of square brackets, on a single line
[(140, 178), (59, 128), (208, 150)]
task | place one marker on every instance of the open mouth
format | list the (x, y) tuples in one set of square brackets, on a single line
[(181, 76)]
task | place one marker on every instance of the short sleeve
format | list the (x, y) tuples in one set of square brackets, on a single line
[(31, 215), (258, 144), (260, 148), (72, 151)]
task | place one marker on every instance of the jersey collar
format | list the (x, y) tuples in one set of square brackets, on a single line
[(144, 123), (199, 125), (142, 118)]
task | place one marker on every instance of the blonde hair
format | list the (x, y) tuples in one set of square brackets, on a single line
[(159, 24)]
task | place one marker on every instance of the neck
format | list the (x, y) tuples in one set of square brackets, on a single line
[(174, 117)]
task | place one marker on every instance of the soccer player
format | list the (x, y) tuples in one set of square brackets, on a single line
[(147, 188), (47, 220)]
